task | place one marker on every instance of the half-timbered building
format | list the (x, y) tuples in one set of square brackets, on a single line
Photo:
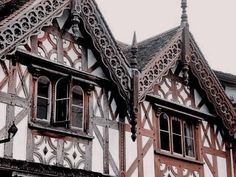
[(79, 103)]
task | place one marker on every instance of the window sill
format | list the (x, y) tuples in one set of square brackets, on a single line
[(45, 126), (186, 159)]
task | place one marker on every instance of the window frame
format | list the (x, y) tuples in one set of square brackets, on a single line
[(51, 121), (183, 121), (49, 99)]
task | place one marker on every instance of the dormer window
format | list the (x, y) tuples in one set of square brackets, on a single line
[(176, 135), (60, 102)]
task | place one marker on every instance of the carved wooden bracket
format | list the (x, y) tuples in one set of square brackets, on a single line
[(212, 87), (160, 65)]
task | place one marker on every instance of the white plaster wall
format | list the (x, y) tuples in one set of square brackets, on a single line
[(222, 169), (97, 154), (20, 140), (91, 61), (131, 150), (114, 148), (148, 163), (2, 124)]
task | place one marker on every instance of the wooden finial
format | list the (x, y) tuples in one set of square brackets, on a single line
[(134, 50), (184, 16)]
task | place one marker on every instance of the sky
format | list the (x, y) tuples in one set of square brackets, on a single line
[(212, 23)]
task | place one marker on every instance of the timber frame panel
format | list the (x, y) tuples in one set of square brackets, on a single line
[(29, 20)]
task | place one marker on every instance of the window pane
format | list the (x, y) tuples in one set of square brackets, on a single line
[(189, 147), (62, 89), (77, 114), (62, 100), (77, 95), (176, 126), (177, 144), (43, 87), (164, 122), (165, 140), (77, 107), (188, 131), (43, 97), (189, 141), (61, 110), (42, 108)]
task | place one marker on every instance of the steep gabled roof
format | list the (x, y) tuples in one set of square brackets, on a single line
[(148, 48), (160, 60), (29, 17)]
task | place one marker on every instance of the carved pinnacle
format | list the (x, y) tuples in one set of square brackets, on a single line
[(134, 50), (184, 16)]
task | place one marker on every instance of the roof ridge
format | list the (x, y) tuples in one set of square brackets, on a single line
[(159, 35)]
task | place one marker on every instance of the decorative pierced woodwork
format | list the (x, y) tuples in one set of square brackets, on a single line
[(210, 84), (159, 66), (111, 55), (18, 28)]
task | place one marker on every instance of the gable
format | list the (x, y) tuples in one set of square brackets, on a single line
[(183, 48), (33, 16), (173, 89)]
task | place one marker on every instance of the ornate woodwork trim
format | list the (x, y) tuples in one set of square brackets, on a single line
[(212, 87), (111, 55), (17, 28), (160, 65)]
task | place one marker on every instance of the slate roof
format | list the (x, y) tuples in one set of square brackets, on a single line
[(9, 7), (226, 78), (149, 47)]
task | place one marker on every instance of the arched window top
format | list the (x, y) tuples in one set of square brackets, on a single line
[(43, 86), (43, 98), (62, 88)]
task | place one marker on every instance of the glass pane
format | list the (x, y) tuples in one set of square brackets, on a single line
[(43, 87), (77, 115), (62, 89), (188, 131), (77, 95), (165, 140), (176, 126), (189, 147), (42, 108), (189, 140), (61, 110), (177, 144), (164, 122)]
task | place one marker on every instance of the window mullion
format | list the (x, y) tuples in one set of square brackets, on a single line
[(171, 135), (183, 138)]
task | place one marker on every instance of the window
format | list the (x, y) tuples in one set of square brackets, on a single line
[(61, 103), (62, 99), (43, 98), (176, 135), (77, 107)]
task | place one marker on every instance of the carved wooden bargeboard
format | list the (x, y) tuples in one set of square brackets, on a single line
[(69, 88)]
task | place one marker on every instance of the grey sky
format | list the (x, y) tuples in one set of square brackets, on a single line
[(212, 22)]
